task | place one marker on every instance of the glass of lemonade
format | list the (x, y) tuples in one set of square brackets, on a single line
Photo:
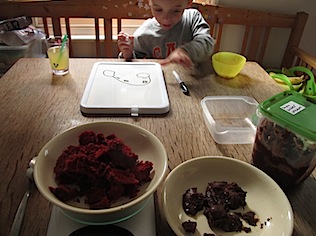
[(58, 54)]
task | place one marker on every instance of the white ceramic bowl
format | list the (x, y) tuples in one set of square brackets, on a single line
[(142, 142), (264, 196)]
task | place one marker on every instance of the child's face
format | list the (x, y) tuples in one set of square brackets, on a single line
[(168, 13)]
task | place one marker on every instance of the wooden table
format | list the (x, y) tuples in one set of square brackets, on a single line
[(35, 106)]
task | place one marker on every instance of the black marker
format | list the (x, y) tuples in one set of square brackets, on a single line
[(183, 87)]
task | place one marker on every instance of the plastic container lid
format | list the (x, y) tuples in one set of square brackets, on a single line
[(230, 119), (293, 111)]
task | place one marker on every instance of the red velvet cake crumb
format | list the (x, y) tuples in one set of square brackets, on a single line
[(102, 168), (64, 193)]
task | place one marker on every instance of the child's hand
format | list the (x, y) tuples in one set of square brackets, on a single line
[(125, 44), (179, 56)]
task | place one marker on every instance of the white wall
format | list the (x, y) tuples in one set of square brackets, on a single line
[(308, 41)]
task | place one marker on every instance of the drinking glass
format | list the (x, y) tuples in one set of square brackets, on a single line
[(58, 54)]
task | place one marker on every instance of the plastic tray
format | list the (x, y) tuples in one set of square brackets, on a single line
[(125, 88), (230, 119)]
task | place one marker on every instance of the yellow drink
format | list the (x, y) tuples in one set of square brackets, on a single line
[(59, 60)]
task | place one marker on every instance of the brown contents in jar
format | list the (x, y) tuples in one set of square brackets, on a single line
[(282, 155)]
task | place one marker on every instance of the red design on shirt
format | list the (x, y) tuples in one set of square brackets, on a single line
[(157, 52), (170, 47)]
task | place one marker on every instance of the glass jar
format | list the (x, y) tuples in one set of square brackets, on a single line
[(285, 143)]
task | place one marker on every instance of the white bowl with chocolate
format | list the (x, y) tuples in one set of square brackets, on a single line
[(215, 195), (101, 172)]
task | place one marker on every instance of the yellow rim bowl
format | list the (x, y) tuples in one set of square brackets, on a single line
[(228, 64)]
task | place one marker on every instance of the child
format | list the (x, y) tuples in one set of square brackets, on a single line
[(175, 34)]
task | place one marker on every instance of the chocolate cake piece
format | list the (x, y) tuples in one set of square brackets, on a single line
[(192, 201), (250, 217), (228, 223), (220, 198), (215, 211), (235, 196), (189, 226), (228, 194)]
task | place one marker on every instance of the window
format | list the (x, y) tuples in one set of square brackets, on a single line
[(83, 28)]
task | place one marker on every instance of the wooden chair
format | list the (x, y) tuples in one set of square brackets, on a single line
[(303, 58), (257, 29), (258, 25), (99, 10)]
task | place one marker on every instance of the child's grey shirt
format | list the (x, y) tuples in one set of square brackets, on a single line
[(192, 34)]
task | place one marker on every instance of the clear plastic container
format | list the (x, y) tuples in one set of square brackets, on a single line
[(285, 143), (11, 54), (230, 119)]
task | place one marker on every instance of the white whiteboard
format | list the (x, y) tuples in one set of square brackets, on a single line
[(125, 88)]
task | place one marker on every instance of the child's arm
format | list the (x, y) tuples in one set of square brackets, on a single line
[(179, 56), (201, 47), (125, 44)]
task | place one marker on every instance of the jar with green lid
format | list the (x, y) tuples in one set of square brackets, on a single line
[(285, 143)]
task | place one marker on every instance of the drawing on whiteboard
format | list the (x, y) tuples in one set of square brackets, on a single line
[(110, 73), (139, 79)]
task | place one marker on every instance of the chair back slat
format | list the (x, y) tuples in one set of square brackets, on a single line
[(56, 26), (218, 37), (119, 25), (294, 39), (245, 40), (256, 23), (265, 40), (68, 30), (108, 37), (303, 58), (254, 44), (97, 36), (44, 19)]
